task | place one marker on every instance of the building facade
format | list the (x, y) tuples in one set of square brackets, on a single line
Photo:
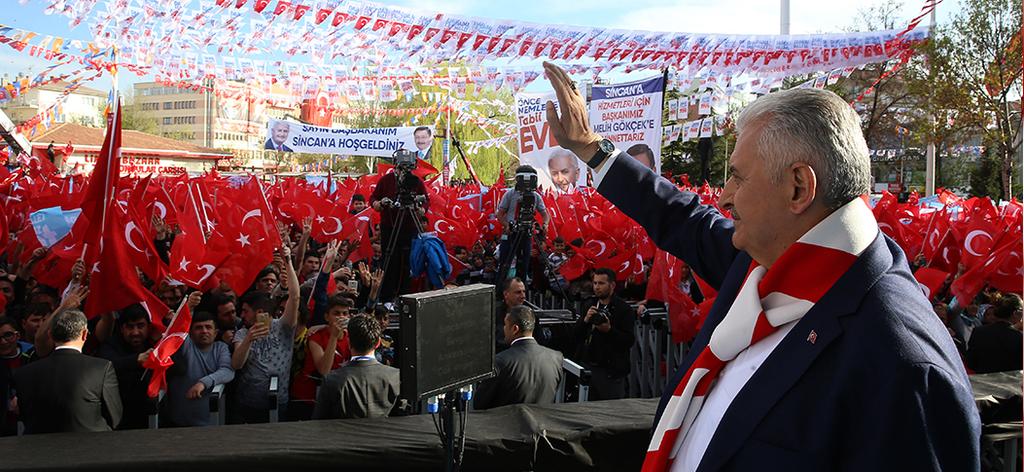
[(226, 115), (83, 106), (141, 153)]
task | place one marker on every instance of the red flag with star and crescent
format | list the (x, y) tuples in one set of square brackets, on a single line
[(159, 359)]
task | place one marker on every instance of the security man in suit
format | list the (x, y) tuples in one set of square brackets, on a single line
[(68, 391), (820, 352), (526, 372), (363, 388)]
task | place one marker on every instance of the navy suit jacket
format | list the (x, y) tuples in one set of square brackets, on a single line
[(270, 144), (881, 387)]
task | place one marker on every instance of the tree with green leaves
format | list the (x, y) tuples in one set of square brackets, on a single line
[(487, 162), (132, 119), (977, 60)]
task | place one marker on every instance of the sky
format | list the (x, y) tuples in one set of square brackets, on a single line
[(690, 16)]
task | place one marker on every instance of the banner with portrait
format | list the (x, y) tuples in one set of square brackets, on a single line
[(629, 115), (558, 169), (289, 136)]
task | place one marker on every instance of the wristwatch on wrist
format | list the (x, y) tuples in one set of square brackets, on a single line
[(605, 148)]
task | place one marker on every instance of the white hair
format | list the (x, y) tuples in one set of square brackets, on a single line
[(816, 127), (559, 153)]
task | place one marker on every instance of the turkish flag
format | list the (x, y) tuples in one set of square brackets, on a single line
[(103, 184), (322, 15), (113, 284), (247, 233), (423, 169), (890, 224), (329, 219), (947, 254), (159, 359), (948, 198), (190, 262), (935, 234), (260, 5), (685, 317), (574, 268), (414, 30), (54, 269), (1009, 273), (38, 166), (932, 280), (980, 235), (139, 237), (282, 5), (102, 226), (967, 286), (396, 28), (662, 272), (299, 11), (339, 18), (317, 110)]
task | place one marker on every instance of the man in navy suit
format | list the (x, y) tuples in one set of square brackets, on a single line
[(867, 378), (278, 136)]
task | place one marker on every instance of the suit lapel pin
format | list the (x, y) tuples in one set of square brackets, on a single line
[(811, 338)]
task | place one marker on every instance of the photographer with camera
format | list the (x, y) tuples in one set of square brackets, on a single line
[(604, 337), (516, 212), (401, 199)]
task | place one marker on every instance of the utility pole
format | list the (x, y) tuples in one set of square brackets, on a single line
[(784, 17), (929, 154)]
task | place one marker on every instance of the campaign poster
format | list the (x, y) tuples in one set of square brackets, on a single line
[(289, 136), (629, 115), (673, 109), (558, 169)]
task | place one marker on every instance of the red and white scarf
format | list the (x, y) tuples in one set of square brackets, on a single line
[(767, 300)]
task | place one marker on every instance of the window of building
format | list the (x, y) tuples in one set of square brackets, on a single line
[(167, 105), (167, 120)]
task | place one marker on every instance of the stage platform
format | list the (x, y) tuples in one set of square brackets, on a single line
[(607, 435)]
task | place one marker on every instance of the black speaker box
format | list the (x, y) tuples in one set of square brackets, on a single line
[(447, 339)]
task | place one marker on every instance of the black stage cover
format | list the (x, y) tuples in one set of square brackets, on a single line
[(603, 435)]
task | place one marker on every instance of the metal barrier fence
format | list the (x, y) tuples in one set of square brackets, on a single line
[(548, 301), (655, 358)]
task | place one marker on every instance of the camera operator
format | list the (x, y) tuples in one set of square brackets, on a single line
[(516, 212), (401, 199), (604, 337)]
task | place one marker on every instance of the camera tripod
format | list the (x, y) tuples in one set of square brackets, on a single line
[(404, 211), (520, 242)]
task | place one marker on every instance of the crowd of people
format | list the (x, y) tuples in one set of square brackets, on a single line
[(313, 318)]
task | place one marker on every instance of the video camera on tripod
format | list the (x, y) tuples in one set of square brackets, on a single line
[(526, 186), (405, 163)]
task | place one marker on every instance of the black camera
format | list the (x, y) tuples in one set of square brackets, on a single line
[(526, 182), (601, 317), (404, 159)]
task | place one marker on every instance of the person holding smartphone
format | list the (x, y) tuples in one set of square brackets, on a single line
[(263, 349), (604, 337)]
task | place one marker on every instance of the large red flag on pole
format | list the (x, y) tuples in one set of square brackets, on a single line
[(113, 283)]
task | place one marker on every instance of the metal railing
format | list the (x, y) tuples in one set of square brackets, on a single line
[(583, 381)]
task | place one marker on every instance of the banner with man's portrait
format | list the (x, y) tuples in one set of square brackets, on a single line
[(558, 168), (289, 136), (629, 115)]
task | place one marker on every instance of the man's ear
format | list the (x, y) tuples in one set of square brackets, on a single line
[(804, 185)]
